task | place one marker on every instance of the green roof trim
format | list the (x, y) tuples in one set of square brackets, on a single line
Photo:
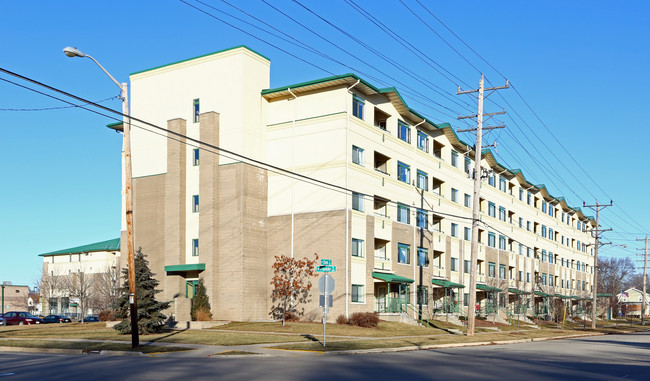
[(110, 245), (183, 268), (517, 291), (562, 296), (201, 56), (318, 81), (391, 278), (487, 288), (543, 294), (603, 295), (446, 283)]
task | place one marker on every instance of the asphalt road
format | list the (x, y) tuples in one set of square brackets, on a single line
[(591, 358)]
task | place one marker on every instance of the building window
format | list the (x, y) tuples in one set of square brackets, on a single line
[(454, 230), (357, 155), (521, 223), (491, 179), (357, 293), (543, 279), (544, 256), (423, 141), (357, 201), (454, 264), (403, 253), (357, 107), (502, 184), (521, 194), (195, 247), (403, 214), (423, 180), (502, 271), (454, 195), (421, 219), (195, 203), (528, 252), (502, 213), (528, 277), (550, 257), (529, 198), (454, 158), (491, 209), (550, 280), (195, 160), (491, 240), (544, 207), (403, 172), (563, 214), (468, 234), (543, 231), (492, 269), (468, 201), (521, 276), (468, 164), (528, 225), (467, 266), (423, 257), (502, 242), (357, 248), (551, 234), (197, 111), (423, 295), (403, 131)]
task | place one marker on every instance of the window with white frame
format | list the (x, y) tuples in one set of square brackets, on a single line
[(195, 159), (195, 247), (403, 131), (358, 248), (403, 253), (422, 219), (357, 155), (403, 214), (468, 201), (357, 107), (357, 201), (195, 110), (403, 172), (423, 180), (357, 293), (454, 195), (195, 203), (454, 230), (423, 141)]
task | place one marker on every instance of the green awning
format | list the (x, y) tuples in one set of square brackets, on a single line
[(184, 268), (487, 288), (539, 293), (561, 296), (576, 297), (391, 278), (446, 283), (603, 295), (74, 305), (517, 291)]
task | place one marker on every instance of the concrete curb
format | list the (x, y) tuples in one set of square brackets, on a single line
[(122, 353), (454, 345), (41, 350)]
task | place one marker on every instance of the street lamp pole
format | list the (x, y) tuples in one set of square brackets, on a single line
[(128, 190)]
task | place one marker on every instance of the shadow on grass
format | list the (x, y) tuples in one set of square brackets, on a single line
[(311, 337), (173, 333)]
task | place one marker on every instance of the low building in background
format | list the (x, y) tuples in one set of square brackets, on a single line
[(14, 297), (631, 301), (81, 280)]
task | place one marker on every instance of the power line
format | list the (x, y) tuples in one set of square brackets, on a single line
[(55, 108)]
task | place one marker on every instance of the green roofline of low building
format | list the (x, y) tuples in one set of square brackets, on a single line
[(109, 245)]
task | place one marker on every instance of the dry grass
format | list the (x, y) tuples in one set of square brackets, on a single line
[(87, 346)]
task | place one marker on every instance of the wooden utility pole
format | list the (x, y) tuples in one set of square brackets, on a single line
[(594, 303), (645, 275), (471, 308)]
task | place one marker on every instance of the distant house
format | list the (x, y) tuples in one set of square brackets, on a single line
[(34, 305), (631, 301), (81, 280), (14, 297)]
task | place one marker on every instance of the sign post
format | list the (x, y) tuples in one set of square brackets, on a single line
[(326, 286)]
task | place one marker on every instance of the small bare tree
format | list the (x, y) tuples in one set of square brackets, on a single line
[(291, 283), (106, 285), (79, 285), (51, 286)]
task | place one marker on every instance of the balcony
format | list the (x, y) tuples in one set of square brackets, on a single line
[(439, 272)]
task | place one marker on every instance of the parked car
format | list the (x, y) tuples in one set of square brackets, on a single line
[(2, 320), (21, 318), (57, 319), (91, 319)]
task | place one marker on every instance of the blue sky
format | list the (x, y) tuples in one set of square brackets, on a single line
[(581, 66)]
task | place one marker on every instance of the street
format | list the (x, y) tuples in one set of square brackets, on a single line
[(591, 358)]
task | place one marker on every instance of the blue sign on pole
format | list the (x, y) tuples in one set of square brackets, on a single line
[(326, 269), (325, 262)]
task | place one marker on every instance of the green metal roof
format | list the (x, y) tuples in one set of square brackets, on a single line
[(446, 283), (485, 287), (562, 296), (540, 293), (184, 268), (392, 278), (201, 56), (517, 291), (110, 245), (603, 295)]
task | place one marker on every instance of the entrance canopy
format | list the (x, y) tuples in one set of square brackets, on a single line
[(391, 278), (446, 283), (517, 291), (487, 288)]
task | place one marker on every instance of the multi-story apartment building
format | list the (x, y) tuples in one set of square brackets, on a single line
[(80, 280), (380, 190)]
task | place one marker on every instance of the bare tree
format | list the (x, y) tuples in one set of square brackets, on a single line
[(79, 285), (614, 274), (51, 286), (106, 285)]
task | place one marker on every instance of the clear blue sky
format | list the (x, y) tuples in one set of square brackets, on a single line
[(581, 66)]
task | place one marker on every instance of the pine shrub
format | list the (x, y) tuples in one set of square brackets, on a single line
[(201, 303), (364, 319)]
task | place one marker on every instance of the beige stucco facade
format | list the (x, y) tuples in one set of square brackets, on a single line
[(224, 218)]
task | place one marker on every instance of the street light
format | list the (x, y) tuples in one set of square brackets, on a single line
[(74, 52)]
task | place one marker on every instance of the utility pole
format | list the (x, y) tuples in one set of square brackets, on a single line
[(645, 274), (471, 309), (594, 306)]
